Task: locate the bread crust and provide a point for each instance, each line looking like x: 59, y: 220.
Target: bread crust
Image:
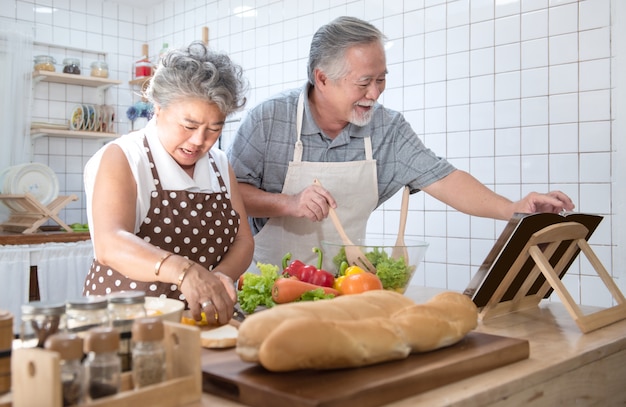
x: 355, y: 330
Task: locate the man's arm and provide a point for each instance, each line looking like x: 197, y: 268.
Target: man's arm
x: 465, y: 193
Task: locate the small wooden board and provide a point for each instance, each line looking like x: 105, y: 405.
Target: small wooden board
x: 225, y: 375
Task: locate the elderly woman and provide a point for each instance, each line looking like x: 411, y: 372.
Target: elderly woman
x: 163, y: 206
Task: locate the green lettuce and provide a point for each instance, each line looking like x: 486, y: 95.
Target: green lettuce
x: 257, y: 288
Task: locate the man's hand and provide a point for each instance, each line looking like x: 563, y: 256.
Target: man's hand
x: 554, y: 202
x: 312, y: 203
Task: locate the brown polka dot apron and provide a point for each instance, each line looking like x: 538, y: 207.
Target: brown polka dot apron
x: 198, y: 226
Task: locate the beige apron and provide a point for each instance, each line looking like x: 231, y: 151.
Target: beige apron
x: 353, y: 184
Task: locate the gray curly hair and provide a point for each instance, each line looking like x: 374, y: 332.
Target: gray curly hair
x: 198, y: 72
x: 331, y: 41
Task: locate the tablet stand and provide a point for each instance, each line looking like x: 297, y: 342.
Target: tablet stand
x: 539, y: 249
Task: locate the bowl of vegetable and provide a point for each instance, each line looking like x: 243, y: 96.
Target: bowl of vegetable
x: 395, y: 265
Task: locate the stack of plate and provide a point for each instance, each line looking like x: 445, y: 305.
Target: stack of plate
x: 37, y: 179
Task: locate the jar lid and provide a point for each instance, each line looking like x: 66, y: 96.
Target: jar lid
x: 99, y: 64
x: 93, y: 302
x: 148, y: 329
x: 44, y: 308
x: 102, y: 339
x: 71, y: 61
x: 68, y: 345
x: 45, y: 58
x: 127, y: 297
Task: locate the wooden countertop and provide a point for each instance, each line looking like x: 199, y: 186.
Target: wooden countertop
x: 10, y: 238
x: 566, y: 367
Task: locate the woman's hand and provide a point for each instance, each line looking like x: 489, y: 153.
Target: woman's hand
x: 210, y: 292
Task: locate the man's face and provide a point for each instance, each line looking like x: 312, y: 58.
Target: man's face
x: 354, y: 95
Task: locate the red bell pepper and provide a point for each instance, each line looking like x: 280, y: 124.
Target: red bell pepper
x: 308, y: 273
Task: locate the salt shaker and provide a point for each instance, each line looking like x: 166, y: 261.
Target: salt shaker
x: 69, y: 346
x: 103, y: 367
x: 148, y: 352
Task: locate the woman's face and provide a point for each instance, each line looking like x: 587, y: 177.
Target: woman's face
x: 188, y: 128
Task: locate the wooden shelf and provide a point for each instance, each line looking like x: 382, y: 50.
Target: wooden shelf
x: 42, y: 131
x: 72, y: 79
x: 140, y: 81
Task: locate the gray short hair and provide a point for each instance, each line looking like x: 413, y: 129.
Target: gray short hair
x: 197, y: 72
x: 331, y: 42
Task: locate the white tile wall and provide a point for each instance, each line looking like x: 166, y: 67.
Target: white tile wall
x: 519, y: 93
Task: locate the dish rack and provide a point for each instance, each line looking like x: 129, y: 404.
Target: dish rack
x: 27, y: 213
x: 39, y: 369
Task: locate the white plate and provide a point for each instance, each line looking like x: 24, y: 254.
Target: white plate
x: 34, y: 178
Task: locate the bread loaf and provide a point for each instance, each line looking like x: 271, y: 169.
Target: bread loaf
x: 355, y: 330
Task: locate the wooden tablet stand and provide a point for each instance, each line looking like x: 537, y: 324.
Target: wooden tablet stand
x: 27, y: 213
x: 539, y: 249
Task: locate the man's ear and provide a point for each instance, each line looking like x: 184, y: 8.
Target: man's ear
x: 320, y: 78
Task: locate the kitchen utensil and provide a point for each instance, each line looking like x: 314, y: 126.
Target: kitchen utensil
x: 400, y: 249
x: 354, y: 255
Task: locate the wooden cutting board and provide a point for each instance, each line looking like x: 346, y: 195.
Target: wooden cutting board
x: 225, y: 375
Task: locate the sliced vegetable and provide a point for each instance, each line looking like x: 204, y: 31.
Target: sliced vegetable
x: 288, y: 290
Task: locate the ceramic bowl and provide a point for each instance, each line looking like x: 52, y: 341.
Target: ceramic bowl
x: 167, y: 309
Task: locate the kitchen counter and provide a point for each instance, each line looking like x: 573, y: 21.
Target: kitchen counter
x: 10, y: 238
x: 565, y: 367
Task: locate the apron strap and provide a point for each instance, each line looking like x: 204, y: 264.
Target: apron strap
x: 297, y: 152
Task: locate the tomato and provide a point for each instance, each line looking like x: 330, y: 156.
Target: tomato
x: 358, y: 283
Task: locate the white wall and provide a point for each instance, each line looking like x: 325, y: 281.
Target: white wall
x: 525, y: 95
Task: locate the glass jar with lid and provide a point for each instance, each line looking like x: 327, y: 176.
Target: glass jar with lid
x: 148, y: 351
x: 69, y: 346
x: 84, y: 313
x: 124, y: 308
x: 41, y: 319
x: 45, y: 63
x: 102, y: 364
x: 100, y: 69
x: 71, y: 65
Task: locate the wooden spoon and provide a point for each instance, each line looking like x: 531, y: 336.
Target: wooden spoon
x: 400, y: 249
x: 354, y: 255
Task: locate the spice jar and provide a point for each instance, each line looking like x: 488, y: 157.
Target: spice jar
x: 39, y: 321
x: 103, y: 368
x: 100, y: 69
x: 124, y: 307
x: 45, y: 63
x: 148, y: 352
x: 69, y: 346
x: 71, y: 65
x: 84, y: 313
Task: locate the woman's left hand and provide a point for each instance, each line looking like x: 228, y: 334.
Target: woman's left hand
x: 210, y: 292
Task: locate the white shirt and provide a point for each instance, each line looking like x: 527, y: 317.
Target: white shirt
x: 171, y: 175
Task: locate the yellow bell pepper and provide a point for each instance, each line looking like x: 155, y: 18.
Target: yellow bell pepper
x: 354, y: 270
x: 337, y: 283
